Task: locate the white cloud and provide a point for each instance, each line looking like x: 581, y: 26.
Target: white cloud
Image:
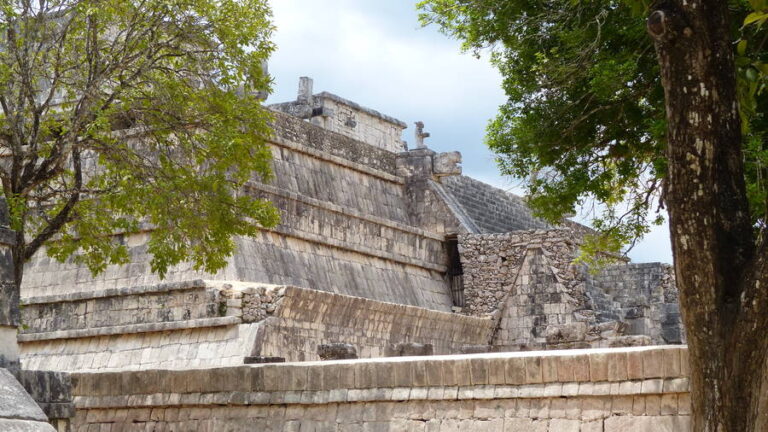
x: 359, y: 56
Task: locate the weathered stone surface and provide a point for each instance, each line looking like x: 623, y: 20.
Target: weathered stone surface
x: 345, y: 227
x: 322, y: 395
x: 407, y: 349
x: 336, y: 351
x: 52, y: 391
x: 527, y: 281
x: 447, y: 164
x: 363, y: 218
x: 9, y: 425
x: 492, y: 209
x: 15, y: 403
x: 260, y: 360
x: 475, y: 349
x: 258, y: 321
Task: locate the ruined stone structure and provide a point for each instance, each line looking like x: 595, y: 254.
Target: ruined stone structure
x: 541, y: 300
x: 382, y: 251
x: 617, y: 390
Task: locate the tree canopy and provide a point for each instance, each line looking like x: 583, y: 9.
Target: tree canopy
x: 596, y: 118
x: 127, y: 115
x: 585, y: 111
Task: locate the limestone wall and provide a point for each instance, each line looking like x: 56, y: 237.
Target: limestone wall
x: 541, y: 300
x: 492, y: 263
x: 169, y: 302
x: 345, y: 228
x: 491, y: 209
x: 305, y: 319
x: 364, y: 124
x: 614, y: 390
x: 642, y: 295
x: 225, y: 343
x: 212, y: 323
x: 333, y: 144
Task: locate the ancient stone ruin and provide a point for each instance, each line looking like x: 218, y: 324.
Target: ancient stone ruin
x: 382, y: 252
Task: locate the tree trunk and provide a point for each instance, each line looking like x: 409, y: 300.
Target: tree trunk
x: 721, y: 271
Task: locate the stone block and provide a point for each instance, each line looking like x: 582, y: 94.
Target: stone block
x: 598, y: 367
x: 684, y: 404
x: 515, y: 371
x: 336, y: 351
x: 592, y: 426
x: 593, y: 408
x: 676, y: 385
x: 409, y: 349
x: 566, y: 366
x: 365, y: 375
x: 449, y: 373
x: 635, y: 365
x: 402, y: 374
x: 525, y: 425
x: 549, y: 369
x: 647, y: 424
x: 669, y: 404
x: 653, y: 405
x: 16, y: 425
x: 16, y: 403
x: 581, y: 369
x: 496, y: 371
x: 685, y: 363
x: 272, y: 376
x: 462, y: 372
x: 652, y: 386
x: 671, y: 362
x: 419, y: 371
x: 385, y: 376
x: 479, y: 371
x: 617, y: 366
x: 563, y: 425
x: 533, y: 370
x: 622, y: 405
x: 434, y: 373
x: 653, y: 363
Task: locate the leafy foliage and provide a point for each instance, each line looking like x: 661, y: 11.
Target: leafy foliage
x: 584, y: 122
x: 126, y: 115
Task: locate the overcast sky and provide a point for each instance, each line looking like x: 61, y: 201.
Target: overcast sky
x: 375, y: 53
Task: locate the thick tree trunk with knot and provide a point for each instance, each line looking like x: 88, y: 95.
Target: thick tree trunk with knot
x: 721, y: 270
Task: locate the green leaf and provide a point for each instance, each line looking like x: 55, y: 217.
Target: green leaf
x: 171, y: 120
x: 759, y: 17
x: 758, y: 4
x: 741, y: 47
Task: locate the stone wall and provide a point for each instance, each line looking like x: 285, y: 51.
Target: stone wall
x: 614, y: 390
x: 360, y: 123
x: 643, y: 296
x: 18, y: 411
x: 168, y: 302
x: 541, y: 300
x: 345, y: 228
x: 492, y: 210
x: 492, y: 263
x: 304, y: 319
x: 214, y: 323
x: 52, y: 391
x: 332, y: 144
x: 342, y: 116
x: 180, y: 346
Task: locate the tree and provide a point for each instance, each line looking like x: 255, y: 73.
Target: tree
x: 128, y: 115
x: 631, y: 102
